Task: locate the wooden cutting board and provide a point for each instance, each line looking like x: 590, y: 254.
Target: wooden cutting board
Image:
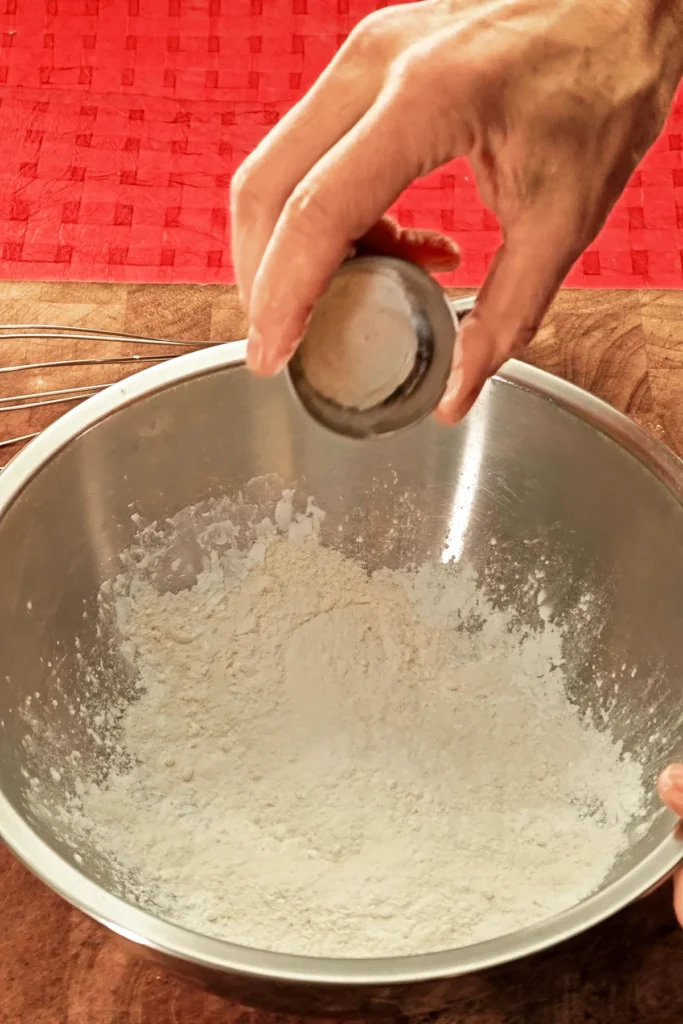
x: 57, y: 967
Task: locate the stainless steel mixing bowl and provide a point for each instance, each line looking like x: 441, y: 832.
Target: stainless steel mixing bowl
x: 546, y: 470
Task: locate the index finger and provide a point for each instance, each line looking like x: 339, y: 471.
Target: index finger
x: 345, y: 90
x: 264, y: 182
x: 347, y: 192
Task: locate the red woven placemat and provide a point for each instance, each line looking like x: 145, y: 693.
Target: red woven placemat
x: 121, y: 122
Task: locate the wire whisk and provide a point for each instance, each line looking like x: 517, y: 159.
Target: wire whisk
x: 46, y: 368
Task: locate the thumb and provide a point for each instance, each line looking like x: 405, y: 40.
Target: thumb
x: 670, y: 788
x: 523, y: 279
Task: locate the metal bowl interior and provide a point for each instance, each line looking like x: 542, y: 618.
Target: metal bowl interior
x: 543, y: 468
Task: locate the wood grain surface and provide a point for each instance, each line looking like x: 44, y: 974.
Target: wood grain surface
x: 57, y: 967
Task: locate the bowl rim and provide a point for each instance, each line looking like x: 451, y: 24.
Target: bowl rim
x: 172, y: 940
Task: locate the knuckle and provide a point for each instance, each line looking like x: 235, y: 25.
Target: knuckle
x: 245, y: 188
x: 307, y: 211
x: 371, y: 38
x: 412, y: 72
x: 428, y: 65
x: 420, y: 94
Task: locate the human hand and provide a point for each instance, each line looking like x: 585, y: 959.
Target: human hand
x: 553, y: 101
x: 670, y: 788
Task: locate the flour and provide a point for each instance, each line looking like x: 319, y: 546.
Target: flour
x: 326, y: 762
x: 361, y: 344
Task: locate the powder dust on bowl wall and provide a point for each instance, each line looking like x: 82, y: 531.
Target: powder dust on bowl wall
x: 353, y: 763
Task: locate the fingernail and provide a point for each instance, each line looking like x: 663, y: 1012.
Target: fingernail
x: 278, y: 365
x: 263, y: 358
x: 671, y: 778
x: 447, y: 408
x: 256, y: 351
x: 453, y: 387
x: 455, y: 380
x: 440, y: 263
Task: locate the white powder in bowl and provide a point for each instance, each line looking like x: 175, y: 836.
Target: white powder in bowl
x: 326, y: 762
x: 361, y: 344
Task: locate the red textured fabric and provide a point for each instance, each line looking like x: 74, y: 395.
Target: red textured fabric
x: 121, y: 122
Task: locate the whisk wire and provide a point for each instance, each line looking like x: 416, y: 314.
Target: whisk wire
x: 50, y: 332
x: 51, y: 335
